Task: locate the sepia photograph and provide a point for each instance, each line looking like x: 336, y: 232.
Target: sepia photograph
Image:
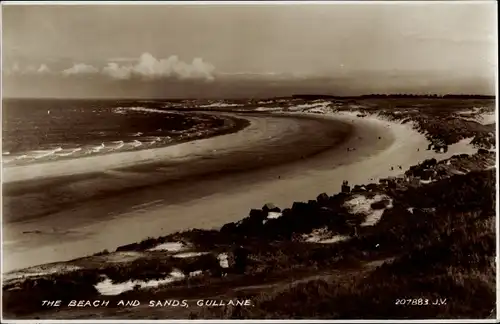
x: 225, y: 160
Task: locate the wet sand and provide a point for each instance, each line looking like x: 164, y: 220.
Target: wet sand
x: 246, y: 170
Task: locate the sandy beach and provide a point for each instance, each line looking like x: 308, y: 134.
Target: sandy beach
x: 211, y: 201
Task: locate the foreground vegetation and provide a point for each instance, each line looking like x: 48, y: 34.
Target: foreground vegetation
x: 443, y: 255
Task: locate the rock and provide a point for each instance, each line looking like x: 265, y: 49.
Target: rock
x: 429, y: 163
x: 257, y: 215
x: 322, y: 198
x: 299, y: 206
x: 228, y: 228
x: 427, y: 174
x: 312, y: 207
x: 353, y: 232
x: 380, y: 204
x: 270, y: 207
x: 392, y: 184
x: 415, y: 181
x: 358, y: 188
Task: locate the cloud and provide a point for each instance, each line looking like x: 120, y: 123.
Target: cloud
x: 117, y: 72
x: 79, y: 69
x: 16, y: 69
x: 43, y: 69
x: 148, y: 67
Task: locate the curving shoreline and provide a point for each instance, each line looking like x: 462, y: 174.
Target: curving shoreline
x: 215, y: 201
x: 108, y: 223
x: 55, y: 236
x: 271, y: 141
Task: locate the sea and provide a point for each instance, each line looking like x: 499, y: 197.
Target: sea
x: 41, y: 130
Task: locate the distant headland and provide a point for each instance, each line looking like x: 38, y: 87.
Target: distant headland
x: 389, y: 96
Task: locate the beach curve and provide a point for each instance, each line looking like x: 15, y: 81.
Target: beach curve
x: 378, y: 144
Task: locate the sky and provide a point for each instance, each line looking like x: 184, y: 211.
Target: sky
x: 226, y: 51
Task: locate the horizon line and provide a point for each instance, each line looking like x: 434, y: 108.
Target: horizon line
x: 292, y: 96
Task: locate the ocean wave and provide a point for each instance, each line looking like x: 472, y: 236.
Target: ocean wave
x: 97, y: 149
x: 74, y: 152
x: 150, y: 140
x: 39, y: 154
x: 22, y: 157
x: 31, y: 155
x: 136, y: 143
x: 69, y: 152
x: 119, y: 145
x: 120, y: 110
x: 6, y: 153
x: 9, y: 159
